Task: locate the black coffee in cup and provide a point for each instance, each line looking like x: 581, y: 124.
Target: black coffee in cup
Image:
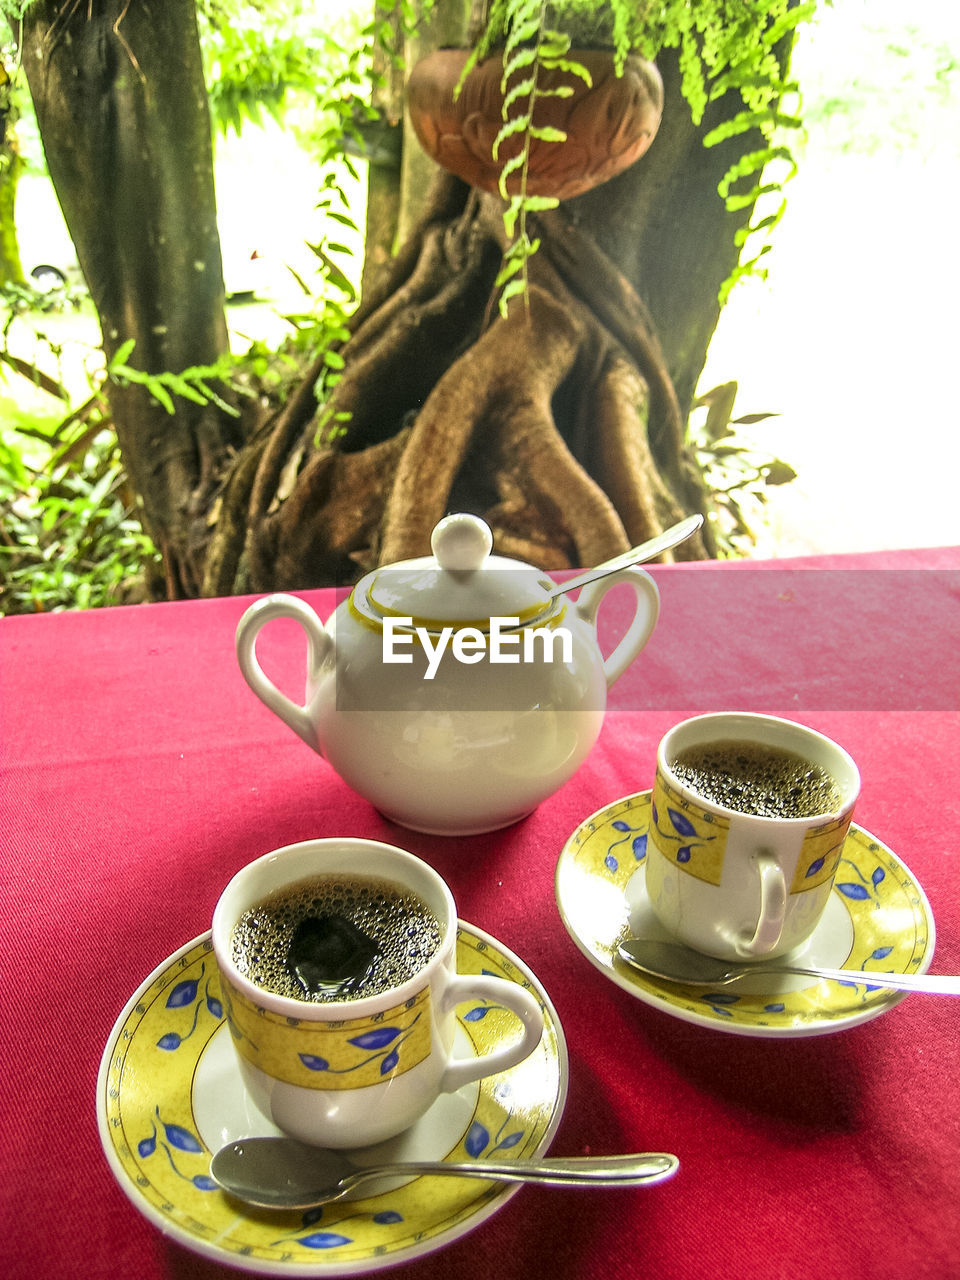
x: 335, y: 938
x: 751, y: 777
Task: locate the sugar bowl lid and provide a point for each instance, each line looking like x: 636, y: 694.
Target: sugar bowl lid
x: 461, y: 584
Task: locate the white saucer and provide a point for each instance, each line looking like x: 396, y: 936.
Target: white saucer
x: 877, y: 914
x: 169, y: 1093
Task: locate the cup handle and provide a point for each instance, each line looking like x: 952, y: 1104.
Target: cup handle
x: 499, y: 992
x: 320, y: 653
x: 773, y: 908
x: 641, y: 625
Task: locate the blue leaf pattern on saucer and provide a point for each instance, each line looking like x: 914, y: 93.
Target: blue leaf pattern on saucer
x: 864, y: 890
x: 182, y: 996
x: 477, y: 1139
x: 184, y: 993
x: 147, y: 1146
x: 335, y: 1239
x: 172, y: 1040
x: 638, y: 844
x: 480, y: 1011
x: 179, y: 1137
x: 323, y: 1240
x: 183, y: 1140
x: 510, y: 1140
x: 214, y: 1007
x: 855, y: 891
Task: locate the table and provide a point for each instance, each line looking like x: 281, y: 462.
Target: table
x: 138, y: 773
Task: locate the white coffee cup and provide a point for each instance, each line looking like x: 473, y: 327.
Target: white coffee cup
x: 737, y: 885
x: 352, y: 1072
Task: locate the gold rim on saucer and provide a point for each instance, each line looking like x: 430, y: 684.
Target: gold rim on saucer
x: 169, y: 1092
x: 877, y: 916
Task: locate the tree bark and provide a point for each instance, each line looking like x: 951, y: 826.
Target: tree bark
x: 122, y: 108
x: 665, y: 226
x: 11, y: 166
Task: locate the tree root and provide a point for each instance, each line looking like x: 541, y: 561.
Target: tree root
x: 517, y: 426
x: 557, y: 423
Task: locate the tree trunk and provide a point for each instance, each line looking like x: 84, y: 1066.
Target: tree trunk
x: 667, y: 229
x: 11, y: 166
x: 122, y: 108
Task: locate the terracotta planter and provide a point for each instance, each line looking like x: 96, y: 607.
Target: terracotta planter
x: 608, y: 125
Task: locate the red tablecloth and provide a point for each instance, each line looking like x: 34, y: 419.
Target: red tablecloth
x: 138, y: 772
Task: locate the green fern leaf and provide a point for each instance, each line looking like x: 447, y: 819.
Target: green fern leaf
x: 755, y: 162
x: 515, y: 289
x: 509, y: 166
x: 524, y: 57
x: 547, y: 133
x: 553, y: 44
x: 510, y: 267
x: 509, y: 129
x: 538, y: 204
x: 122, y: 354
x: 572, y: 68
x: 521, y: 90
x: 510, y: 214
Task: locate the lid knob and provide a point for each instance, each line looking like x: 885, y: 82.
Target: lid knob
x: 461, y: 542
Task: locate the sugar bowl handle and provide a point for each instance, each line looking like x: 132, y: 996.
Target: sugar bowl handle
x: 641, y: 626
x: 320, y: 655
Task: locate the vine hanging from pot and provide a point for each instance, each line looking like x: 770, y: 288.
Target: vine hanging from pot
x: 530, y: 49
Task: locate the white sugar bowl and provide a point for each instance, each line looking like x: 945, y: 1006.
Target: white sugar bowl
x: 458, y: 690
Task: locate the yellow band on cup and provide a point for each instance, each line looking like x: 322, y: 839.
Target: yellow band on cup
x: 695, y: 840
x: 348, y: 1054
x: 820, y: 853
x: 688, y: 836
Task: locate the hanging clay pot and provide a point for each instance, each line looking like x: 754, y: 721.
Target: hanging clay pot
x: 608, y: 125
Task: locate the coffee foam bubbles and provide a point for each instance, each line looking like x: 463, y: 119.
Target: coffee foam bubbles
x: 404, y: 929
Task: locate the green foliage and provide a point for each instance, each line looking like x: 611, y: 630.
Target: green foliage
x: 193, y: 384
x: 69, y: 533
x: 283, y: 60
x: 249, y: 75
x: 723, y: 46
x: 737, y: 475
x: 260, y: 58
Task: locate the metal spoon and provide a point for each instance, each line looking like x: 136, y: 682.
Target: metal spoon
x: 680, y: 964
x: 648, y: 550
x: 280, y: 1173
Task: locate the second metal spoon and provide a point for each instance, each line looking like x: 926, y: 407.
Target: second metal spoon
x: 279, y: 1173
x: 677, y: 963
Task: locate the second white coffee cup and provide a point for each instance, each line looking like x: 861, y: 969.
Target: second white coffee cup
x: 738, y: 885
